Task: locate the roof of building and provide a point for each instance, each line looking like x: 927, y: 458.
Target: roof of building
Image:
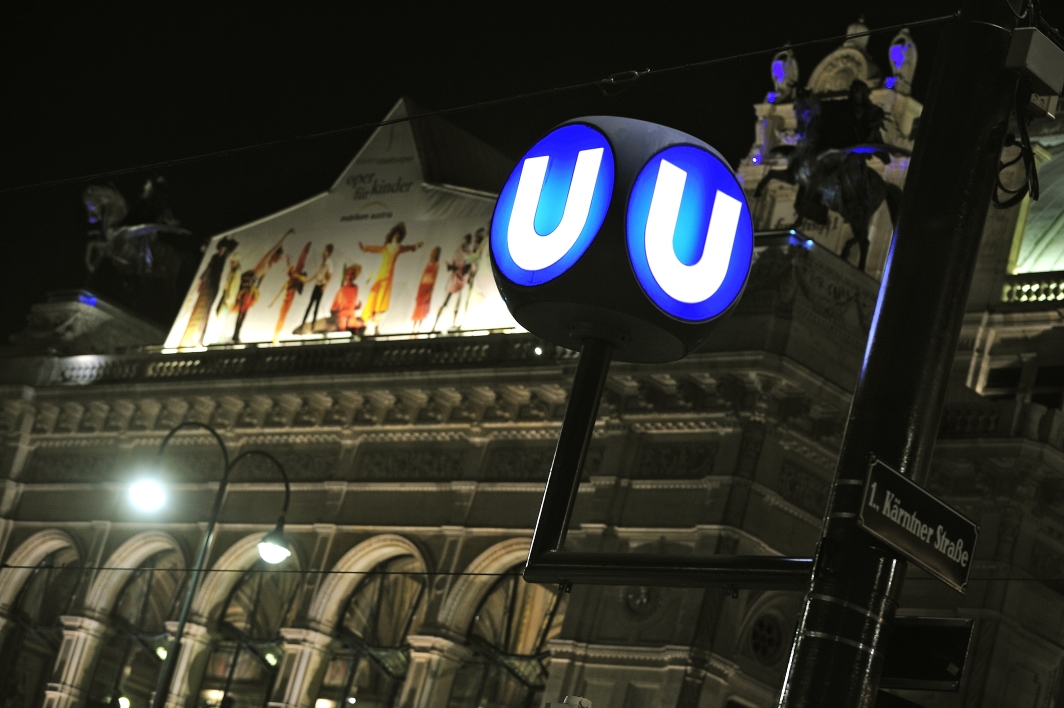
x: 448, y: 154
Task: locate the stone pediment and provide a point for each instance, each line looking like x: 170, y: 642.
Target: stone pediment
x: 838, y: 70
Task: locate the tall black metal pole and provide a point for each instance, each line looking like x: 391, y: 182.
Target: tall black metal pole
x: 841, y: 637
x: 573, y: 443
x: 166, y: 674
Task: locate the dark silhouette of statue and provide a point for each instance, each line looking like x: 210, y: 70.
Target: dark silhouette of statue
x: 829, y: 164
x: 141, y: 265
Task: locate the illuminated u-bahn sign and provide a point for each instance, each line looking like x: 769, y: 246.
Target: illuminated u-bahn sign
x: 553, y: 205
x: 623, y: 229
x: 690, y: 238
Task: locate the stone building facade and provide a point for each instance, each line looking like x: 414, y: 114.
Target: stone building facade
x: 417, y: 468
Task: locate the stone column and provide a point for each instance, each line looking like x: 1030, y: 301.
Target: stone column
x: 191, y: 663
x: 306, y: 654
x: 82, y: 639
x: 434, y: 661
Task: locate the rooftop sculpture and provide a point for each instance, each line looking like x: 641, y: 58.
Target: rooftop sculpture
x: 841, y: 143
x: 138, y: 263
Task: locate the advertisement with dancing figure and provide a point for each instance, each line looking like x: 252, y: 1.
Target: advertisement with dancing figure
x: 383, y: 252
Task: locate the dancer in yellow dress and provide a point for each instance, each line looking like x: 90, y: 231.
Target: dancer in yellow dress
x: 380, y: 293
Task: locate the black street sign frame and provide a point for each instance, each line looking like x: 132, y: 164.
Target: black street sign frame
x: 927, y: 653
x: 915, y: 523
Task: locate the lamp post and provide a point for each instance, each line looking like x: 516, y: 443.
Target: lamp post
x: 273, y: 547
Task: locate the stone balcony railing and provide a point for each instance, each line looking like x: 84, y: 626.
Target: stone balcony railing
x: 802, y: 303
x: 154, y: 365
x: 982, y: 418
x: 1033, y: 288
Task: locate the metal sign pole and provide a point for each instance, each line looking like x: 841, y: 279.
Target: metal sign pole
x: 846, y: 620
x: 549, y: 563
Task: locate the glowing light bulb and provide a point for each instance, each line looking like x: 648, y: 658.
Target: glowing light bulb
x: 272, y: 553
x: 271, y: 659
x: 539, y: 351
x: 161, y: 653
x: 147, y: 495
x: 123, y: 702
x: 273, y: 548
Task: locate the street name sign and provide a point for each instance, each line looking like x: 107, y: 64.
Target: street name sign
x: 918, y: 525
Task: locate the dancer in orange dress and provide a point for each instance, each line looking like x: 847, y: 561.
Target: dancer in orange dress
x: 250, y: 280
x: 346, y: 302
x: 380, y: 293
x: 296, y: 278
x: 425, y: 288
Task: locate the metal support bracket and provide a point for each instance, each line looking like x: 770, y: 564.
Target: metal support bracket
x: 548, y: 563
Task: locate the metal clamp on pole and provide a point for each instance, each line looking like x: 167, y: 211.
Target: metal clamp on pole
x: 548, y: 563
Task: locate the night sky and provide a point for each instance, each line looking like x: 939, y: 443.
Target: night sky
x: 88, y: 90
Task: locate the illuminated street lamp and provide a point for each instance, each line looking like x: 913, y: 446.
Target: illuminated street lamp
x: 273, y: 548
x: 149, y: 495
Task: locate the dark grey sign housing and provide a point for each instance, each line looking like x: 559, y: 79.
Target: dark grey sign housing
x: 926, y: 654
x: 917, y: 524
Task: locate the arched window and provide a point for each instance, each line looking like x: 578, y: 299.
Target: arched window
x: 384, y: 608
x: 35, y: 632
x: 508, y: 634
x: 243, y: 665
x: 130, y: 661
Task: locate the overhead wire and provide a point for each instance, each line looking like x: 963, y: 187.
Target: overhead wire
x: 613, y: 81
x: 434, y: 573
x: 253, y: 569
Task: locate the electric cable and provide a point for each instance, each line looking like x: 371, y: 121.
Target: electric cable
x: 1030, y: 183
x: 1031, y: 16
x: 252, y: 569
x: 440, y: 573
x: 608, y: 86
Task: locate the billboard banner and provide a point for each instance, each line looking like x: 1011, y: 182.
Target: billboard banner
x: 381, y: 253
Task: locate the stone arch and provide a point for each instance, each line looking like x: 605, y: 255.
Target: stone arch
x: 223, y: 577
x: 345, y: 576
x: 126, y: 559
x: 465, y: 595
x: 25, y: 558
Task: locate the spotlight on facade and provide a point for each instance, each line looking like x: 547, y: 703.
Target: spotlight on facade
x: 147, y: 495
x: 273, y: 548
